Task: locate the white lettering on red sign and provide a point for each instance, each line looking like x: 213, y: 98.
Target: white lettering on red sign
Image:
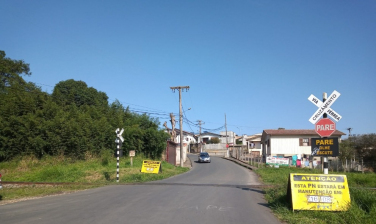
x: 325, y: 127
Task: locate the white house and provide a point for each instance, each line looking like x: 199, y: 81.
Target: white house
x: 230, y: 138
x: 286, y: 143
x: 188, y: 137
x: 207, y: 136
x: 254, y: 144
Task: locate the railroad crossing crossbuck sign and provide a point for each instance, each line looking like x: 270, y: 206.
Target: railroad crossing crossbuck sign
x: 324, y: 107
x: 118, y: 135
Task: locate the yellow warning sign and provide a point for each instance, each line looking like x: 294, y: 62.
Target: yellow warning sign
x: 324, y: 192
x: 149, y: 166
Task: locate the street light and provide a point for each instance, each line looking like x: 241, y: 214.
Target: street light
x: 239, y: 130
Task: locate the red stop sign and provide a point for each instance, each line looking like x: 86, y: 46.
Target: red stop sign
x: 325, y: 127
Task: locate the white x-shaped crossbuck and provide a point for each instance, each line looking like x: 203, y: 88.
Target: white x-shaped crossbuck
x: 324, y: 107
x: 119, y: 133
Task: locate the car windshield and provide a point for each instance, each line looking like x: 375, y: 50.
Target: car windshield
x: 204, y: 154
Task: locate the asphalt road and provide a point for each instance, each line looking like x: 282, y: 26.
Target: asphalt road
x: 217, y: 192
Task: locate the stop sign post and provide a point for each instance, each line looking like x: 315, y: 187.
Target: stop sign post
x: 325, y: 127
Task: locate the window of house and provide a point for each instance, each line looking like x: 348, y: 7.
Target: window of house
x: 304, y: 142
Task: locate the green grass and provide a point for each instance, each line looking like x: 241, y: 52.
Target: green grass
x: 92, y: 172
x: 363, y: 200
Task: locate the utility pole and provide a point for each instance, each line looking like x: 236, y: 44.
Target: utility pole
x: 180, y: 121
x: 227, y: 146
x: 349, y: 129
x: 199, y: 123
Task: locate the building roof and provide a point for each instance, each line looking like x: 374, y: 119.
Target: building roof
x: 177, y: 131
x: 297, y: 132
x: 255, y: 137
x: 209, y: 133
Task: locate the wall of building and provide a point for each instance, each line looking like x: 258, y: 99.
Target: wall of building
x: 289, y: 145
x: 230, y: 137
x: 284, y: 145
x: 257, y: 148
x: 186, y: 139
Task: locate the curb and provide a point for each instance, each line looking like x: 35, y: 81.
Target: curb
x: 246, y: 165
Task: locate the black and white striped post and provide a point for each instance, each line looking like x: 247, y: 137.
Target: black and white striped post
x: 325, y: 115
x: 118, y: 139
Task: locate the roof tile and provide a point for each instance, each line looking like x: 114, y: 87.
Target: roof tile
x: 297, y: 132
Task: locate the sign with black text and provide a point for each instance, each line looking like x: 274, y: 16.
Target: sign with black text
x: 322, y: 192
x: 324, y: 147
x: 149, y: 166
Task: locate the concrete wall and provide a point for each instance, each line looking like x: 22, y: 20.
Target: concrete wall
x: 214, y: 147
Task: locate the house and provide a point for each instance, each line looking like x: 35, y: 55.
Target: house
x: 207, y: 136
x: 229, y: 139
x: 285, y: 143
x: 188, y: 137
x: 254, y: 145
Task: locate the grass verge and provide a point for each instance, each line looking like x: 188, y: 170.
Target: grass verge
x: 93, y: 172
x: 363, y: 200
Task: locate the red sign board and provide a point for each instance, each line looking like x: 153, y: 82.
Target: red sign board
x: 325, y: 127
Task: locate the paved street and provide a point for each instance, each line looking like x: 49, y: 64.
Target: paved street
x: 215, y: 192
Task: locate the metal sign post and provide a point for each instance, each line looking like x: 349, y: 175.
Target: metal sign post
x: 118, y: 140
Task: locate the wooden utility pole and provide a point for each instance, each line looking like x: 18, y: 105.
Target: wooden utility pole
x: 228, y: 154
x: 180, y: 121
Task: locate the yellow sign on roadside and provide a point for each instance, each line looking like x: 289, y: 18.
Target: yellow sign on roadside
x: 149, y: 166
x: 324, y: 192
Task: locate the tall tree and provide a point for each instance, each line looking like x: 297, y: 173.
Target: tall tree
x: 11, y: 70
x: 77, y: 92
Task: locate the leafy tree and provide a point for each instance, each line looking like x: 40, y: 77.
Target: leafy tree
x: 73, y: 121
x: 10, y: 71
x: 77, y: 92
x: 365, y: 146
x: 346, y: 150
x: 214, y: 140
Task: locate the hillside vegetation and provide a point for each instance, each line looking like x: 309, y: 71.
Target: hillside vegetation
x: 73, y: 121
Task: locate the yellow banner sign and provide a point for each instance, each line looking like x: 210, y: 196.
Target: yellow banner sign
x: 323, y: 192
x: 149, y: 166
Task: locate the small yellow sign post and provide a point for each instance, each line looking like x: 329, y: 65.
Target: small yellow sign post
x: 149, y: 166
x: 322, y: 192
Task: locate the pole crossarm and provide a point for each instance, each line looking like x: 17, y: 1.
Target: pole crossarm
x: 179, y: 87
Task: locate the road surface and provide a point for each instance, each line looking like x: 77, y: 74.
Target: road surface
x: 216, y: 192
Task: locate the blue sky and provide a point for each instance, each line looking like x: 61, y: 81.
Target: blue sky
x: 255, y: 61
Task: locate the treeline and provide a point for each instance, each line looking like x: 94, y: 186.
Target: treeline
x: 359, y: 147
x: 72, y: 121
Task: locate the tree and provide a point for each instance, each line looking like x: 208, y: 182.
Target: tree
x: 215, y: 140
x: 76, y: 120
x: 11, y: 71
x: 346, y: 150
x: 365, y: 146
x: 77, y: 92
